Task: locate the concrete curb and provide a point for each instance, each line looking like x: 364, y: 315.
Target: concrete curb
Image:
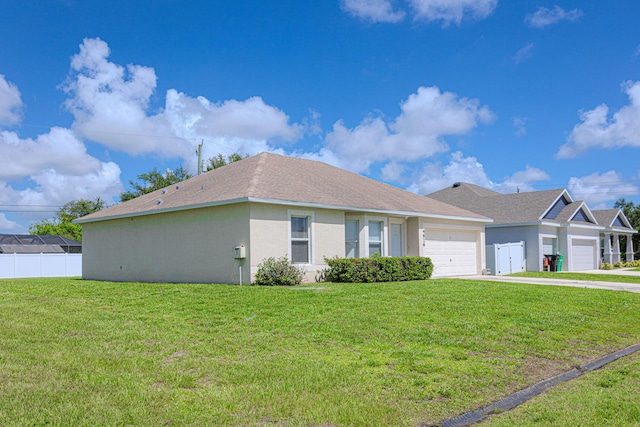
x: 522, y: 396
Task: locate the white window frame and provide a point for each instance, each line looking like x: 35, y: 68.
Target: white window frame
x: 358, y: 239
x: 311, y: 233
x: 385, y: 232
x: 403, y: 230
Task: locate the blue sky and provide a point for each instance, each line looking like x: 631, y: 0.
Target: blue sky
x: 518, y: 95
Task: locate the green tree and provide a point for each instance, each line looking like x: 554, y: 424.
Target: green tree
x: 154, y: 180
x: 62, y: 225
x: 218, y: 161
x: 632, y: 212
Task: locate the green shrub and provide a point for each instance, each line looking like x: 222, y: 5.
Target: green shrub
x: 278, y: 272
x: 618, y: 264
x: 607, y: 266
x: 377, y: 269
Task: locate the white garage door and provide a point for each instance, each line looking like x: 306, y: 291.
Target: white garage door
x: 583, y: 255
x: 453, y: 252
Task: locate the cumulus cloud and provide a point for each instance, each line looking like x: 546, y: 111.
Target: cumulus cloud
x: 446, y: 11
x: 57, y: 169
x: 10, y: 103
x: 599, y: 189
x: 110, y: 104
x: 452, y: 11
x: 544, y: 17
x: 434, y: 176
x: 372, y: 10
x: 418, y: 132
x: 598, y: 131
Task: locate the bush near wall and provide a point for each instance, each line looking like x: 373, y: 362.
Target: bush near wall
x: 278, y: 272
x: 378, y: 269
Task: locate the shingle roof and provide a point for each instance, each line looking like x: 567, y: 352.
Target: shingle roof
x: 514, y: 208
x: 606, y: 217
x: 270, y: 177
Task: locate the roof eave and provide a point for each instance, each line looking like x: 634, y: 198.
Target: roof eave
x: 286, y: 203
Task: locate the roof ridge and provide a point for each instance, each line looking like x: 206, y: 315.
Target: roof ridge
x: 257, y: 174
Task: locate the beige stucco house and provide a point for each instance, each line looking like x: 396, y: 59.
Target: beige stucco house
x: 219, y: 226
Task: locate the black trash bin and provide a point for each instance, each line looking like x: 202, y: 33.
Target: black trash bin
x: 553, y: 262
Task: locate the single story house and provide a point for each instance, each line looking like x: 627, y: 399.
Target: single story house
x: 37, y: 244
x: 219, y: 226
x: 548, y: 222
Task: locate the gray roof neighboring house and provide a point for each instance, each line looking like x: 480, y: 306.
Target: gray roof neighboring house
x: 517, y: 208
x: 613, y: 220
x: 513, y: 208
x: 276, y: 179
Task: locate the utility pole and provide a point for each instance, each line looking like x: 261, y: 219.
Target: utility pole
x: 199, y: 152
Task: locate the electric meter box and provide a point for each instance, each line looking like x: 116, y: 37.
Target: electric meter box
x: 239, y: 252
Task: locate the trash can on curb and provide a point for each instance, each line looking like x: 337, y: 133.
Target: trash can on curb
x: 553, y: 262
x: 560, y: 258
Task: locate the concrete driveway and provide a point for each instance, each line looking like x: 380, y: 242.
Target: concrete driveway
x: 615, y: 286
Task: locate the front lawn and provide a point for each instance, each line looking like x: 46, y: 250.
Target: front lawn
x: 605, y: 277
x: 76, y: 352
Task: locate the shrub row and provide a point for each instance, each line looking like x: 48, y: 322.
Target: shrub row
x: 377, y: 269
x: 621, y: 264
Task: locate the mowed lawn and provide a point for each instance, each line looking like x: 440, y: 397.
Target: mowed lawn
x: 76, y: 352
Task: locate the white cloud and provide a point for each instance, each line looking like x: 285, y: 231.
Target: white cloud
x: 372, y: 10
x: 9, y: 226
x: 446, y: 11
x: 110, y: 105
x: 523, y: 53
x: 544, y: 17
x: 433, y: 176
x: 520, y: 125
x: 598, y: 131
x: 452, y: 11
x: 598, y: 189
x: 426, y: 117
x: 10, y: 103
x: 637, y: 51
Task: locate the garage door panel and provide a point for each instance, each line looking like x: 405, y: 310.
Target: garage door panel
x: 453, y: 252
x: 583, y: 255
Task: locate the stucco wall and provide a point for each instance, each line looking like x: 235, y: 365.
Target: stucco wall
x: 270, y: 235
x: 186, y: 246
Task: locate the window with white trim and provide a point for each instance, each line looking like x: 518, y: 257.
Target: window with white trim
x: 376, y: 228
x: 397, y: 240
x: 300, y: 239
x: 351, y: 232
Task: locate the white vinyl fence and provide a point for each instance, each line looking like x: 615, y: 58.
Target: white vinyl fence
x: 40, y: 265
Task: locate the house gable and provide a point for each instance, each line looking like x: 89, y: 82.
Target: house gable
x: 581, y: 216
x: 557, y: 208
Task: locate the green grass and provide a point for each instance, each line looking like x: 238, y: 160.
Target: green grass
x: 608, y: 397
x: 76, y: 352
x: 581, y: 276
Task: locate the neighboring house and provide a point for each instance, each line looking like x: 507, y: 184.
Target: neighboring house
x: 616, y: 224
x: 219, y: 226
x: 549, y: 222
x: 37, y: 244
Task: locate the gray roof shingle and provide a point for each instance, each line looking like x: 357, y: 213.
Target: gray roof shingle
x: 274, y: 178
x: 514, y: 208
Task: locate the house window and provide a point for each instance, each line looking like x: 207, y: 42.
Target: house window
x: 375, y: 237
x: 300, y: 239
x: 397, y: 244
x: 351, y: 231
